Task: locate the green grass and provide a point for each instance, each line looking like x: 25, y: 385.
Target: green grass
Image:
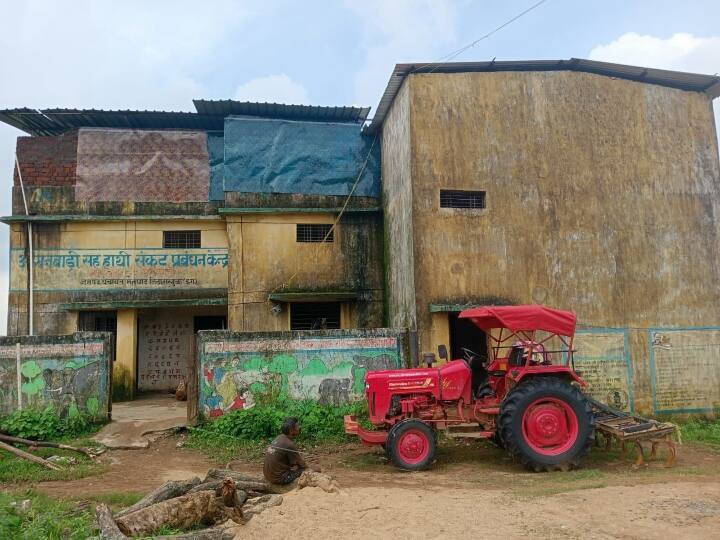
x: 701, y: 430
x: 58, y: 519
x: 47, y: 519
x: 115, y: 500
x: 14, y: 470
x: 223, y: 448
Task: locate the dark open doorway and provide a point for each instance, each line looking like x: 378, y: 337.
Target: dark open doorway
x: 464, y: 334
x: 209, y: 322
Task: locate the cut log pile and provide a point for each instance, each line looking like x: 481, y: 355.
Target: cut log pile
x: 223, y: 495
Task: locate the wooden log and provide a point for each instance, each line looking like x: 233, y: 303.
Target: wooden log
x: 167, y: 491
x: 108, y: 528
x: 29, y: 457
x: 46, y: 444
x: 242, y: 481
x: 184, y: 512
x: 242, y: 495
x: 213, y: 533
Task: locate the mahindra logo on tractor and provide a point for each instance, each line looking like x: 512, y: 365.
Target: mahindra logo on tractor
x: 413, y: 384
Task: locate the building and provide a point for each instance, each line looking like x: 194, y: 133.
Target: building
x: 135, y: 232
x: 582, y: 185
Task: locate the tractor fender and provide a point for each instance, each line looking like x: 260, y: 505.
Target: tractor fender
x: 561, y: 372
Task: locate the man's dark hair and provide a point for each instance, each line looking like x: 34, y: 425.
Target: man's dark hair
x: 289, y: 423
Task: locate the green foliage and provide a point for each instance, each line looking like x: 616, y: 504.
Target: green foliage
x: 701, y: 430
x: 47, y: 519
x: 262, y: 422
x: 45, y: 424
x: 15, y: 470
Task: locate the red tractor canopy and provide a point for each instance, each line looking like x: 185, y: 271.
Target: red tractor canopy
x: 523, y: 319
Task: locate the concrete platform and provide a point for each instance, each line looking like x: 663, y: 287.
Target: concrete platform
x: 130, y: 419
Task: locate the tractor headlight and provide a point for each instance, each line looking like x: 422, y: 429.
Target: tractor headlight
x: 367, y: 386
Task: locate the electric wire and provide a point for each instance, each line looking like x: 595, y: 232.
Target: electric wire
x: 457, y: 52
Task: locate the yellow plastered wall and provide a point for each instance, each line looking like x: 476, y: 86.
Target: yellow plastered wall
x: 265, y: 257
x: 613, y: 230
x: 439, y: 332
x: 138, y: 234
x: 124, y: 369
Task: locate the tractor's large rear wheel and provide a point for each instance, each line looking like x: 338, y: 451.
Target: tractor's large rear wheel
x: 546, y: 424
x: 411, y: 445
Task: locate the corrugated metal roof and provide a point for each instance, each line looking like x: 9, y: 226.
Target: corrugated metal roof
x: 56, y: 121
x: 313, y: 113
x: 210, y: 116
x: 709, y: 84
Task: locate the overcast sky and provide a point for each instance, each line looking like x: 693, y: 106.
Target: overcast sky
x: 164, y: 53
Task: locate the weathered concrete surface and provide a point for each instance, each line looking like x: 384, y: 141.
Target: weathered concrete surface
x: 603, y: 197
x: 69, y: 373
x: 398, y: 213
x: 239, y: 369
x: 265, y: 258
x: 148, y: 412
x: 54, y: 287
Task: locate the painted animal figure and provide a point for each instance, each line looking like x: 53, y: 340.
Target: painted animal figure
x: 334, y: 391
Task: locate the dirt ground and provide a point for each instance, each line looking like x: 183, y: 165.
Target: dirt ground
x: 473, y: 490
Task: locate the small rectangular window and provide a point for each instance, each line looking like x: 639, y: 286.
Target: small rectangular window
x: 455, y: 198
x: 98, y: 321
x: 315, y: 232
x: 314, y: 315
x: 181, y: 239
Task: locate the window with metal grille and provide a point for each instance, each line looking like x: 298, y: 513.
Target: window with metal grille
x: 314, y: 315
x: 455, y: 198
x: 98, y: 321
x: 181, y: 239
x: 315, y: 232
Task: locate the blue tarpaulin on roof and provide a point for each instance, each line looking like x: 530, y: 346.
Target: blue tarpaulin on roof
x: 215, y: 153
x: 280, y: 156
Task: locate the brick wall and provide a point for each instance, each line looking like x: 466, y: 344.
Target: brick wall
x: 47, y: 161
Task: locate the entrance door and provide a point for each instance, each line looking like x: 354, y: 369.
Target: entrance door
x: 165, y: 340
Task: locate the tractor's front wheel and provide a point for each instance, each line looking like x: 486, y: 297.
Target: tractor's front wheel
x: 546, y: 424
x: 411, y: 445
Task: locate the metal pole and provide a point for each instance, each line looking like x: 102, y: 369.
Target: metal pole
x: 18, y: 375
x: 31, y: 258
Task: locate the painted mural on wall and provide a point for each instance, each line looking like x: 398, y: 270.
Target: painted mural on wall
x: 685, y: 369
x: 603, y: 359
x: 102, y: 269
x: 70, y: 377
x: 235, y: 374
x: 164, y: 347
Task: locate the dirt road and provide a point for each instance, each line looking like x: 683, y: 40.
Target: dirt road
x: 473, y: 491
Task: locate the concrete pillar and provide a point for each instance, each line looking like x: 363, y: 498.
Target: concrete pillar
x: 125, y: 368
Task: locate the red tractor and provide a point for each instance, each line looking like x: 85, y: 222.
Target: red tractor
x: 525, y: 396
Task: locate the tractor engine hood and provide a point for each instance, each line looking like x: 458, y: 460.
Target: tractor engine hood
x: 400, y: 380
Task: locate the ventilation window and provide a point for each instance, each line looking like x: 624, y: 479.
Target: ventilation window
x: 98, y: 321
x: 315, y: 232
x: 314, y: 315
x: 181, y: 239
x: 453, y: 198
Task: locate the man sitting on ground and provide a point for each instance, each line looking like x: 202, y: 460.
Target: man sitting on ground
x: 283, y: 462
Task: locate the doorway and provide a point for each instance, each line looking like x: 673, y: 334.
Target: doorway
x: 464, y: 334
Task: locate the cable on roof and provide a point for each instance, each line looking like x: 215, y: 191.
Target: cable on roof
x: 461, y: 50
